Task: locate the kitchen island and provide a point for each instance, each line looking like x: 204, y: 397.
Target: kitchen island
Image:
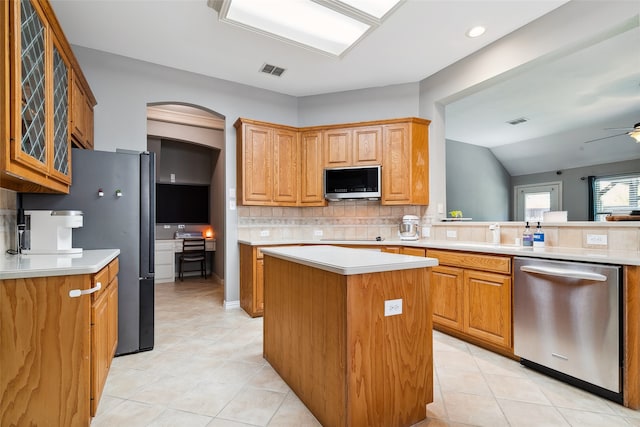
x: 350, y: 331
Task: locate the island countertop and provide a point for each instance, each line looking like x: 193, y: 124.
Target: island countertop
x: 348, y: 261
x: 24, y: 266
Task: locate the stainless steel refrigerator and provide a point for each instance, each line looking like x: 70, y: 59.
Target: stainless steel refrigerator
x: 112, y: 221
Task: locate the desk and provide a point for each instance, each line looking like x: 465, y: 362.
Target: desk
x: 165, y: 258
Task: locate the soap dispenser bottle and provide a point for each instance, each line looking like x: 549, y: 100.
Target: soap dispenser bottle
x: 527, y: 236
x: 538, y: 237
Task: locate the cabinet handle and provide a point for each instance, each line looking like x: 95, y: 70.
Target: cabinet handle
x: 75, y: 293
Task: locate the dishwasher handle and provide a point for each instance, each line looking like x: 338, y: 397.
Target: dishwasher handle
x: 564, y: 272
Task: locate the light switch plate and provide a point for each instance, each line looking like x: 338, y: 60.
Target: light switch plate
x: 317, y: 233
x: 392, y: 307
x: 264, y: 233
x: 452, y: 234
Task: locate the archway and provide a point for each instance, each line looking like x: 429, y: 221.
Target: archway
x: 190, y: 137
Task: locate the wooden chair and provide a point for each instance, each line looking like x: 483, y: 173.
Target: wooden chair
x: 193, y: 250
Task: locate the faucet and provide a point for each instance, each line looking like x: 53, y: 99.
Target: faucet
x: 495, y: 231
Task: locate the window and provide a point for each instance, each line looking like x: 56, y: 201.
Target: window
x: 531, y: 201
x: 611, y: 195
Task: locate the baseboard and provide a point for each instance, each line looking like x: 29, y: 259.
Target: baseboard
x: 228, y: 305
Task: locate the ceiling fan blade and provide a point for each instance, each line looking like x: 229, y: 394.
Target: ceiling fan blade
x: 605, y: 137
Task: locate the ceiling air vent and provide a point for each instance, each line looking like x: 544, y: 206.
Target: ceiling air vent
x: 272, y: 69
x: 518, y: 121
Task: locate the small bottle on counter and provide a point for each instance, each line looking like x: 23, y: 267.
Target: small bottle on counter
x: 538, y: 237
x: 527, y: 236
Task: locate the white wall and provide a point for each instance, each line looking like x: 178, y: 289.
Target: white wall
x: 124, y: 87
x: 378, y: 103
x: 553, y: 34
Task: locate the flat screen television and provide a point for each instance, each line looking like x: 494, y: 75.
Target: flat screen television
x: 182, y: 204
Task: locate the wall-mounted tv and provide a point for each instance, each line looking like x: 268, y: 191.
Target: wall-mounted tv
x: 182, y: 204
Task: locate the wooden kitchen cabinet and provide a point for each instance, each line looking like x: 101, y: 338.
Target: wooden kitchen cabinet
x: 471, y: 296
x: 82, y: 103
x: 56, y: 347
x: 45, y: 347
x: 405, y: 163
x: 267, y: 156
x: 311, y: 170
x: 283, y: 166
x: 104, y: 329
x: 251, y: 280
x: 359, y: 146
x: 36, y: 66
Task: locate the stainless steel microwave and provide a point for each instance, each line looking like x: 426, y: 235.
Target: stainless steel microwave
x: 357, y: 182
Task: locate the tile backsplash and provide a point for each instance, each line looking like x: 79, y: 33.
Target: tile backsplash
x: 8, y: 218
x: 350, y: 220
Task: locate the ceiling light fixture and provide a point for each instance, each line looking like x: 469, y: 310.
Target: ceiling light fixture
x: 476, y: 31
x: 635, y: 133
x: 328, y: 26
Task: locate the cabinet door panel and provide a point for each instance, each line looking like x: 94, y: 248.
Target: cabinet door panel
x: 337, y: 148
x: 100, y: 347
x: 396, y: 171
x: 259, y: 295
x: 257, y: 171
x: 367, y: 145
x: 488, y: 307
x: 447, y: 296
x: 45, y: 347
x: 285, y: 165
x: 60, y: 166
x: 311, y: 190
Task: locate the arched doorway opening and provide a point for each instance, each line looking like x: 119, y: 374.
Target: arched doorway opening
x: 189, y: 143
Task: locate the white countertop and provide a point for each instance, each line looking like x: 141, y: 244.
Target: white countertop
x: 550, y: 252
x: 347, y: 261
x: 23, y: 266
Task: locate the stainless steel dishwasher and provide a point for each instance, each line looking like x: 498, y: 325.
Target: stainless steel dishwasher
x: 567, y: 322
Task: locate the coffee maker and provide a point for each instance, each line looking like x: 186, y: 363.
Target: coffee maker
x: 49, y: 232
x: 408, y: 229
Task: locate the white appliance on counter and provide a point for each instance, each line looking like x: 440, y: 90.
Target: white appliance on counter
x: 408, y: 228
x: 49, y: 231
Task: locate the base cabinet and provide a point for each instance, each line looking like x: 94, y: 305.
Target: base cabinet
x: 104, y: 329
x: 471, y: 296
x: 55, y: 347
x: 252, y: 280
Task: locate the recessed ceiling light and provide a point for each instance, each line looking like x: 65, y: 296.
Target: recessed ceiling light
x: 476, y: 31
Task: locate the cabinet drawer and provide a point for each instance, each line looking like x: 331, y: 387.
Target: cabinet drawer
x: 481, y: 262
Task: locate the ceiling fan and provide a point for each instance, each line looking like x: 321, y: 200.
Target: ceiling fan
x: 633, y: 132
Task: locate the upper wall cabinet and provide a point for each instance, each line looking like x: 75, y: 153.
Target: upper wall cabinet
x: 37, y: 66
x: 273, y: 162
x: 357, y: 146
x: 267, y: 170
x: 405, y: 163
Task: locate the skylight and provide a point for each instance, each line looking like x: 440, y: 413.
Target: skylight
x: 330, y: 26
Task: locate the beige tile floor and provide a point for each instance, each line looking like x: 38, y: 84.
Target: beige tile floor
x: 207, y: 370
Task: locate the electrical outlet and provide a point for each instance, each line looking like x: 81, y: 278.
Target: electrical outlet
x: 452, y: 234
x: 167, y: 226
x: 596, y: 239
x: 180, y: 226
x: 392, y: 307
x: 426, y: 232
x: 264, y: 233
x: 172, y: 177
x: 317, y: 233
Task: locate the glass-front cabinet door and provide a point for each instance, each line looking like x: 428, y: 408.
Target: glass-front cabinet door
x: 40, y: 140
